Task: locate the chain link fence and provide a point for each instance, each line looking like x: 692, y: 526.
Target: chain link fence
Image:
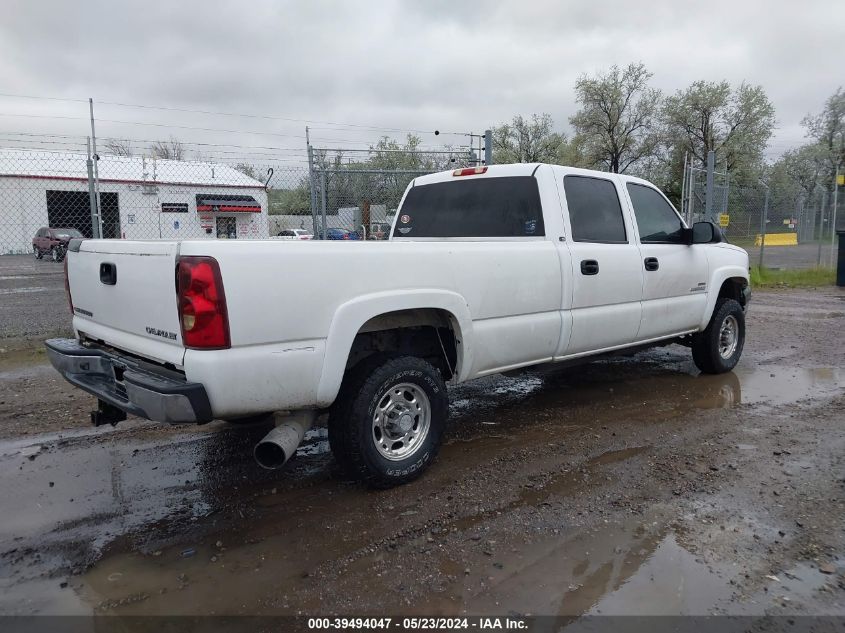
x: 796, y: 224
x: 47, y: 196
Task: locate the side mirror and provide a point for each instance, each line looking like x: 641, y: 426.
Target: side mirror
x: 703, y: 233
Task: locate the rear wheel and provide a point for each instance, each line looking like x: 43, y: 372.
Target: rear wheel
x: 38, y: 254
x: 387, y: 423
x: 56, y: 254
x: 717, y: 349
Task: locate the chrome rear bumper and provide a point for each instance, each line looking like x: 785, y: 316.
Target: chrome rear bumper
x: 131, y: 385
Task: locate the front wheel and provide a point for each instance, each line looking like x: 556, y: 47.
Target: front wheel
x: 387, y: 423
x: 56, y: 254
x: 37, y: 252
x: 717, y: 349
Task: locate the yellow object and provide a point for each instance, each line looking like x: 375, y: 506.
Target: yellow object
x: 724, y: 220
x: 778, y: 239
x: 841, y: 179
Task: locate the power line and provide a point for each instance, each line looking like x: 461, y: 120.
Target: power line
x: 138, y: 140
x: 269, y: 117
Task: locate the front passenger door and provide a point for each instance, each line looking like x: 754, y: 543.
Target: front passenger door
x: 675, y: 273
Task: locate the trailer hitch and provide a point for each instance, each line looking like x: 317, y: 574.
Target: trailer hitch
x: 107, y: 413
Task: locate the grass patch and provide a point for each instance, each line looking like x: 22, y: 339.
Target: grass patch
x: 798, y: 278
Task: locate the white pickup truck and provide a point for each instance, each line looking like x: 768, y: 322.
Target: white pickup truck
x: 487, y: 270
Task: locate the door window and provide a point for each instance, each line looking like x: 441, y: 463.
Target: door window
x: 656, y: 219
x: 227, y: 228
x: 594, y: 210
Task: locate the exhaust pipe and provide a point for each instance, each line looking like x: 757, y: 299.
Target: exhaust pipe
x: 279, y: 445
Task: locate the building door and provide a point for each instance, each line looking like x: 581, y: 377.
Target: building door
x: 72, y: 210
x: 110, y: 212
x: 227, y: 228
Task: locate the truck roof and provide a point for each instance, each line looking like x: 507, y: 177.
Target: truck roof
x: 520, y: 169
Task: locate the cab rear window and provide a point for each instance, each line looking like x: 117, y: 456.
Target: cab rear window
x: 480, y: 207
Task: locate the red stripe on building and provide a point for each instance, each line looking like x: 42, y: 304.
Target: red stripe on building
x: 226, y: 208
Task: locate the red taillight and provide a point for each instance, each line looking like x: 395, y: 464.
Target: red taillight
x: 202, y: 303
x: 469, y: 171
x: 67, y: 287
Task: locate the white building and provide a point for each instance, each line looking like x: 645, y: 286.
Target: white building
x: 140, y: 198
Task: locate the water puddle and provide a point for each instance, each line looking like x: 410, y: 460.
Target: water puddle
x: 634, y: 567
x: 638, y: 391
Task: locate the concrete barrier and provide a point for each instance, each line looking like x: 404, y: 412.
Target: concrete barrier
x: 778, y: 239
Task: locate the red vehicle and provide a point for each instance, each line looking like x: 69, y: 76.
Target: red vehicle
x: 52, y: 242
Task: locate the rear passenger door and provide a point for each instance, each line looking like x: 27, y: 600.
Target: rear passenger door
x: 675, y: 274
x: 606, y: 269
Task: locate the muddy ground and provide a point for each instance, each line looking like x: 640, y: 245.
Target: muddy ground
x: 630, y: 486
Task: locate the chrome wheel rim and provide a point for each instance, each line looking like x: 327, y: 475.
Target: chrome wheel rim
x: 728, y: 336
x: 55, y: 255
x: 401, y: 421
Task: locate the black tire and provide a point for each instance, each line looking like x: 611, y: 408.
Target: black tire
x: 37, y: 252
x: 712, y: 354
x: 56, y: 254
x: 352, y: 434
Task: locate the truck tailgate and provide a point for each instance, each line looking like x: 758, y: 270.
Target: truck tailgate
x: 124, y: 294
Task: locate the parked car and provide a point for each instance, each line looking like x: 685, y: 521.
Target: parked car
x: 52, y: 242
x: 488, y: 269
x: 339, y: 234
x: 294, y: 234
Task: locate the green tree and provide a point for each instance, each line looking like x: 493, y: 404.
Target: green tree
x: 529, y: 141
x: 294, y: 201
x: 616, y: 126
x: 735, y: 123
x: 804, y: 166
x: 828, y: 130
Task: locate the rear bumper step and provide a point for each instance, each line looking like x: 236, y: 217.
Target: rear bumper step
x: 128, y: 384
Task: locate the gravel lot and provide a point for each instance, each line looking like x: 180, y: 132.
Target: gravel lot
x: 632, y: 486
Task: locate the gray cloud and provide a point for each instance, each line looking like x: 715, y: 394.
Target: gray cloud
x: 409, y: 65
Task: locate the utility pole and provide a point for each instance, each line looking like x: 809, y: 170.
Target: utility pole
x: 311, y: 182
x: 683, y: 192
x: 488, y: 147
x: 92, y: 193
x: 708, y: 194
x: 821, y: 227
x: 97, y: 226
x: 763, y: 220
x: 833, y: 225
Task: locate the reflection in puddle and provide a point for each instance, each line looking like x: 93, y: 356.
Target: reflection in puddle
x: 635, y: 568
x: 669, y: 582
x: 645, y: 388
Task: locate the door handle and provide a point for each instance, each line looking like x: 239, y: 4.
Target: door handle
x: 651, y: 263
x: 589, y: 267
x: 108, y: 273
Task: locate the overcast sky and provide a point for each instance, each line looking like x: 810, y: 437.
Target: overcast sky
x: 453, y: 66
